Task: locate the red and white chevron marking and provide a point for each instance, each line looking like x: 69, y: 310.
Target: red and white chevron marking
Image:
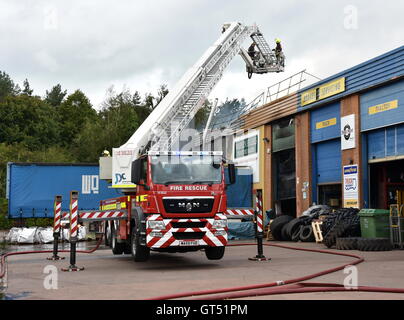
x: 239, y: 212
x: 73, y: 218
x: 65, y: 215
x: 56, y: 222
x: 99, y: 215
x: 259, y: 214
x: 168, y: 240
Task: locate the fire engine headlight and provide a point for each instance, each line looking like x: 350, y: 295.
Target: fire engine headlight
x: 217, y: 224
x: 156, y: 225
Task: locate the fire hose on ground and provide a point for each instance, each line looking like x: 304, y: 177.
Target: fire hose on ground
x: 295, y: 285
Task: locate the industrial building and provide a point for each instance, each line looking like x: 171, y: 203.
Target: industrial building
x: 338, y: 142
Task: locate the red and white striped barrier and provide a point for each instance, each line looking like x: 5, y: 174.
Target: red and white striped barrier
x: 57, y: 210
x: 102, y: 215
x: 259, y: 213
x: 240, y: 212
x: 74, y: 216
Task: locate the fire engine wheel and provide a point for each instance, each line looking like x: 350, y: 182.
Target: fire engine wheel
x: 117, y: 248
x: 107, y: 235
x: 214, y: 253
x: 139, y: 253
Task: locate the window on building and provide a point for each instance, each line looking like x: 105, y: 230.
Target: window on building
x: 246, y: 147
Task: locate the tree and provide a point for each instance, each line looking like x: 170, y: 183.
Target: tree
x: 7, y: 86
x: 162, y: 92
x: 27, y: 89
x: 28, y: 120
x: 55, y: 96
x: 73, y: 113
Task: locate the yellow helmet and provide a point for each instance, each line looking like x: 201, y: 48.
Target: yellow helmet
x: 277, y: 40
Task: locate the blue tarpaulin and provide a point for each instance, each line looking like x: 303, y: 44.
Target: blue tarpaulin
x: 32, y: 187
x: 239, y: 194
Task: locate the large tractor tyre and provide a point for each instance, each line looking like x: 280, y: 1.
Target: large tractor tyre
x: 215, y: 253
x: 307, y: 234
x: 337, y: 231
x: 296, y: 234
x: 293, y: 225
x: 374, y: 244
x: 350, y: 243
x: 139, y: 253
x: 284, y: 233
x: 107, y: 234
x: 277, y: 225
x: 117, y: 247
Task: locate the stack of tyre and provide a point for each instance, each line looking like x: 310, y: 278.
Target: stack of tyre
x: 342, y: 230
x: 287, y: 228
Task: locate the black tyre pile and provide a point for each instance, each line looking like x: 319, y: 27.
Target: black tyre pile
x: 342, y: 230
x: 287, y: 228
x: 342, y: 223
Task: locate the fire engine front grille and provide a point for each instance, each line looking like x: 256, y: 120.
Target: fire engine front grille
x: 190, y: 224
x: 184, y: 205
x: 188, y: 235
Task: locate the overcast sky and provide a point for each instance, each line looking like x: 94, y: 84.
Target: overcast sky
x: 92, y: 45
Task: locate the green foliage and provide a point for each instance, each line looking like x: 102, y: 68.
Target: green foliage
x: 7, y: 86
x: 27, y: 88
x: 55, y: 96
x: 73, y: 113
x: 61, y: 128
x: 5, y: 223
x: 28, y: 120
x: 38, y: 222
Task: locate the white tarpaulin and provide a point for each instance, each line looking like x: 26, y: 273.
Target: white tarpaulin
x: 39, y: 235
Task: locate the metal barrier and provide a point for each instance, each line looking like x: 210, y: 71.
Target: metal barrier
x: 56, y: 227
x: 259, y: 229
x: 76, y: 217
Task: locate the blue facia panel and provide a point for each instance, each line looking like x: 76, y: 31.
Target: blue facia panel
x: 325, y: 123
x: 33, y: 187
x: 239, y: 194
x: 383, y: 106
x: 328, y: 161
x: 385, y: 142
x: 384, y: 68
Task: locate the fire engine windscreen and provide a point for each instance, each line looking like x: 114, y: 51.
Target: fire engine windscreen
x: 186, y: 169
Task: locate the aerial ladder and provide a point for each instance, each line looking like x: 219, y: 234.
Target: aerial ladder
x: 162, y: 129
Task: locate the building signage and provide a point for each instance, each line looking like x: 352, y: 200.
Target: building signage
x: 326, y: 123
x: 324, y: 91
x: 351, y: 186
x: 383, y: 107
x: 348, y: 132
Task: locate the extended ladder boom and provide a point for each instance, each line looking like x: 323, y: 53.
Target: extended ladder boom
x: 173, y: 114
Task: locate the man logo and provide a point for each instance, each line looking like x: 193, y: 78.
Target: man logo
x: 188, y: 207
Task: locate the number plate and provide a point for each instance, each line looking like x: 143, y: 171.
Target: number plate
x: 187, y: 243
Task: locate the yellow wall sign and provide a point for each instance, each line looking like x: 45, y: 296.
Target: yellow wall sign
x: 326, y: 123
x: 308, y: 97
x: 384, y: 107
x: 324, y: 91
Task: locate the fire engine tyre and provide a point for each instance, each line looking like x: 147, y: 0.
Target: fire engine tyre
x: 277, y: 224
x: 215, y: 253
x: 307, y: 234
x: 374, y: 244
x: 117, y: 248
x: 139, y: 253
x: 107, y: 234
